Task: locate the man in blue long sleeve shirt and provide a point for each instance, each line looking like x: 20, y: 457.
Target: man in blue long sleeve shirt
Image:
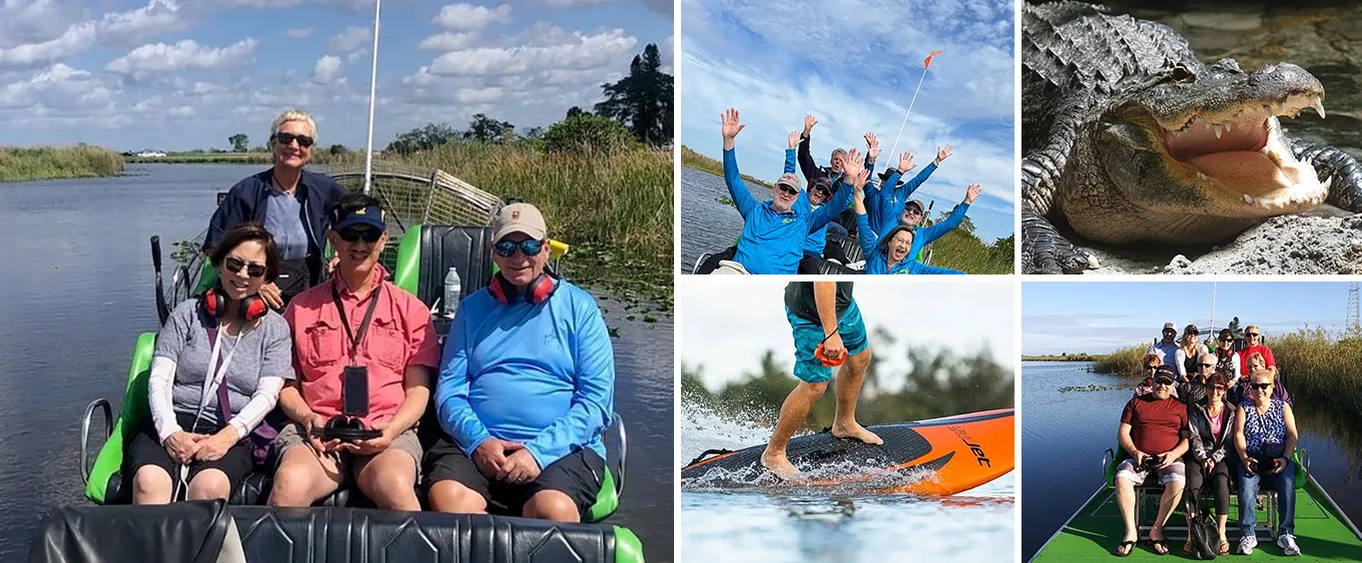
x: 526, y: 388
x: 773, y: 231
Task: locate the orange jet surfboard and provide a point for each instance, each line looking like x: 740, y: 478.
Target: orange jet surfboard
x: 954, y: 454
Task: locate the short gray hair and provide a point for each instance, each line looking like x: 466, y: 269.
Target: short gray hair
x: 293, y: 114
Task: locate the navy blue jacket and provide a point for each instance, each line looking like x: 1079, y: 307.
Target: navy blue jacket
x: 246, y: 202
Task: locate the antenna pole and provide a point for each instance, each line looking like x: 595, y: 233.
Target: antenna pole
x: 373, y: 90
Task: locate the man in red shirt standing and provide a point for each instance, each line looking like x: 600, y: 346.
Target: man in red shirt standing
x: 359, y: 326
x: 1253, y: 337
x: 1153, y: 425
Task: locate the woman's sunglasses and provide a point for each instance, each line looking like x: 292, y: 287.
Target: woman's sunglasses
x: 234, y: 265
x: 1151, y: 366
x: 1219, y: 388
x: 1261, y: 386
x: 354, y: 235
x: 288, y: 138
x: 528, y: 247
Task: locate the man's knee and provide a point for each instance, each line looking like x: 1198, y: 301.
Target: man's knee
x: 388, y: 477
x: 860, y: 360
x: 552, y: 505
x: 296, y: 479
x: 209, y: 484
x: 814, y: 388
x: 448, y: 495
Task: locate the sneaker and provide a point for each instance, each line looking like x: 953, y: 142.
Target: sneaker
x: 1247, y: 543
x: 1288, y: 544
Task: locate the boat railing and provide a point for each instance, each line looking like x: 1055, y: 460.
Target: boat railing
x: 100, y: 403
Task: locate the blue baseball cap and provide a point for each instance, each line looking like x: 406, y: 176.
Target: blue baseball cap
x: 372, y: 216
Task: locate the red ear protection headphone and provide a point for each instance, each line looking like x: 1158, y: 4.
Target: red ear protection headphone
x: 215, y: 302
x: 537, y: 292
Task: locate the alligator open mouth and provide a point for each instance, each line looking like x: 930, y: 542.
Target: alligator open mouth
x: 1241, y: 154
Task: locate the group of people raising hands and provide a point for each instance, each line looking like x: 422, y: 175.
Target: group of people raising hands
x: 1203, y: 425
x: 788, y: 234
x: 522, y: 387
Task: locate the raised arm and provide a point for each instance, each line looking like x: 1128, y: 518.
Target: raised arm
x: 852, y: 173
x: 737, y: 190
x: 930, y: 234
x: 806, y: 163
x: 866, y: 236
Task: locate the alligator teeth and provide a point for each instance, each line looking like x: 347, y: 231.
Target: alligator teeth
x: 1218, y: 131
x: 1201, y: 175
x: 1248, y: 199
x: 1319, y: 107
x: 1325, y: 182
x: 1227, y: 126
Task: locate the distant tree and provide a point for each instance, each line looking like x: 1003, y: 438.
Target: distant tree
x: 966, y: 224
x: 239, y: 142
x: 489, y: 130
x: 588, y: 132
x: 338, y: 149
x: 642, y: 101
x: 423, y: 138
x: 534, y: 133
x: 261, y: 148
x: 575, y: 111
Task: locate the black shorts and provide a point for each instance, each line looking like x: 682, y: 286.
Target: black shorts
x: 145, y: 449
x: 577, y: 475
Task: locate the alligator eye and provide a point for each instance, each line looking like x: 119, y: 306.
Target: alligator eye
x: 1181, y: 74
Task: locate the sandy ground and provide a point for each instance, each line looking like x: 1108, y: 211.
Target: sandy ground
x: 1326, y: 241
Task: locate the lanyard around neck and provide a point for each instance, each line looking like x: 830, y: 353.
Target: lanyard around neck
x: 357, y: 336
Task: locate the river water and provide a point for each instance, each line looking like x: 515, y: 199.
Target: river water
x: 1065, y: 434
x: 706, y: 224
x: 76, y: 284
x: 977, y: 525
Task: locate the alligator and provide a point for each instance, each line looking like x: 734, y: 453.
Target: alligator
x: 1128, y: 137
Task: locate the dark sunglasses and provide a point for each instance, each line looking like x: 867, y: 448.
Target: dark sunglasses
x: 1227, y: 340
x: 788, y: 189
x: 528, y: 247
x: 913, y: 211
x: 288, y: 138
x: 1208, y: 365
x: 1219, y: 388
x: 1151, y: 366
x: 1250, y: 334
x: 234, y: 265
x: 1260, y: 386
x: 354, y: 235
x: 1161, y: 382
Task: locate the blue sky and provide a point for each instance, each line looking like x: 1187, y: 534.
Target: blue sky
x: 184, y: 74
x: 854, y: 66
x: 1098, y: 317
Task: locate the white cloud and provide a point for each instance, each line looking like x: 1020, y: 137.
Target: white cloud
x: 351, y: 39
x: 357, y: 55
x: 158, y: 16
x: 467, y: 17
x: 569, y: 3
x: 446, y: 41
x: 186, y: 54
x: 77, y: 38
x: 327, y: 70
x: 480, y: 95
x: 58, y: 86
x: 298, y: 32
x: 581, y: 53
x: 31, y: 21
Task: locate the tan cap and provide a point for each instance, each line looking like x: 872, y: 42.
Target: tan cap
x: 519, y: 218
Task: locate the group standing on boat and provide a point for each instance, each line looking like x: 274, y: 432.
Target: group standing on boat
x: 789, y: 233
x: 255, y: 369
x: 1198, y: 430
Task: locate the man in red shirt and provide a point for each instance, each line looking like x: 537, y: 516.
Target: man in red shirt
x: 357, y: 322
x: 1253, y: 336
x: 1152, y: 425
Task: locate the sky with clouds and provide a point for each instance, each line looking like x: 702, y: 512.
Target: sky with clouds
x: 728, y: 325
x: 854, y: 64
x: 185, y: 74
x: 1097, y: 318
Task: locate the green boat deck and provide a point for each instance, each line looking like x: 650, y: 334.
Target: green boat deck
x: 1323, y: 532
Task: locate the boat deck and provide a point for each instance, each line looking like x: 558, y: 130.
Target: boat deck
x: 1322, y: 532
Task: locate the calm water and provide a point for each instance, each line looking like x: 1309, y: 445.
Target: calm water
x: 706, y: 224
x: 77, y: 289
x: 1065, y: 434
x: 977, y: 525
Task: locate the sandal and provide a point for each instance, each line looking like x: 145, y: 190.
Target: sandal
x: 1160, y: 546
x: 1127, y: 545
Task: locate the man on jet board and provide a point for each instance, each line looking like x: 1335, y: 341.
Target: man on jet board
x: 821, y: 314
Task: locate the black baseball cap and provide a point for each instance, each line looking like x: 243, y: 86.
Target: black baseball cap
x: 1165, y: 374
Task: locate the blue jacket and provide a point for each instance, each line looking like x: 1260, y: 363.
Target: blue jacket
x: 877, y: 262
x: 542, y: 375
x: 923, y: 236
x: 246, y: 201
x: 772, y: 242
x: 887, y: 209
x: 818, y: 239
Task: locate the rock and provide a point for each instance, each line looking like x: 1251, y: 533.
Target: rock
x: 1223, y: 21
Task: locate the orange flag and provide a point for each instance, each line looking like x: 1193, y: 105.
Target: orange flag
x: 928, y: 62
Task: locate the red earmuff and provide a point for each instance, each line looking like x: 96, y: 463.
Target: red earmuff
x: 538, y: 291
x: 252, y: 307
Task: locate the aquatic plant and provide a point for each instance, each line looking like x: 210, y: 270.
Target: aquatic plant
x: 45, y: 163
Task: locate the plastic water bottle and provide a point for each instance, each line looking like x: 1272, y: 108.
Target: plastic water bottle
x: 453, y: 287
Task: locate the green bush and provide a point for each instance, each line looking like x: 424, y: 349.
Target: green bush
x: 588, y: 132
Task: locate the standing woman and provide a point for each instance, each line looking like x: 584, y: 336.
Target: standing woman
x: 290, y: 202
x: 1189, y: 352
x: 1210, y: 440
x: 1265, y: 436
x: 225, y: 344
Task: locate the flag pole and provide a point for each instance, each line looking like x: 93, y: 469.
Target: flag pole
x: 373, y: 90
x: 926, y: 63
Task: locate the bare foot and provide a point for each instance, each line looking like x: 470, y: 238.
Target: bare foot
x: 856, y: 431
x: 779, y: 465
